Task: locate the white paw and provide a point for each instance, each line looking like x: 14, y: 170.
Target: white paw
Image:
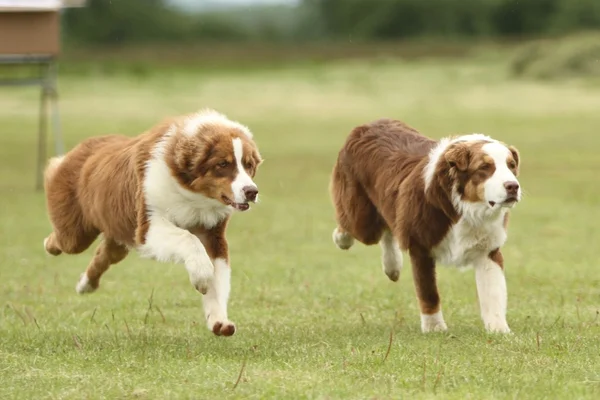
x: 392, y: 264
x: 220, y: 326
x: 84, y: 285
x: 201, y: 271
x: 343, y: 240
x: 433, y: 323
x: 393, y: 274
x: 391, y: 256
x: 53, y: 251
x: 499, y: 326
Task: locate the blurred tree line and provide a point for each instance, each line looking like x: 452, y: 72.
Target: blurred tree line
x: 135, y: 21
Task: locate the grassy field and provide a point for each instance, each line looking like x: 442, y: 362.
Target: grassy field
x: 313, y: 322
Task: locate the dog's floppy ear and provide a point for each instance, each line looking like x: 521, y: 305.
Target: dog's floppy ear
x: 516, y: 157
x: 458, y: 156
x: 185, y: 155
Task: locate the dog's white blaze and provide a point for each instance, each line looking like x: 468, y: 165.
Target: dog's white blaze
x: 242, y: 179
x: 436, y: 153
x: 494, y: 186
x: 491, y: 289
x: 433, y: 322
x: 215, y: 300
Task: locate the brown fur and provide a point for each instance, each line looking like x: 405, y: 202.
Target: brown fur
x: 496, y: 256
x: 378, y: 184
x: 98, y: 188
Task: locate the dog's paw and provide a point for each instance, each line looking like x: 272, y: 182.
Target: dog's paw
x: 201, y: 273
x: 433, y: 323
x: 222, y: 327
x: 497, y: 327
x: 343, y: 240
x: 437, y: 327
x: 51, y: 249
x: 392, y: 264
x: 85, y: 286
x: 393, y: 274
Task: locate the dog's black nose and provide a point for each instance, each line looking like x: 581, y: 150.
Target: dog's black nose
x: 250, y: 192
x: 512, y: 187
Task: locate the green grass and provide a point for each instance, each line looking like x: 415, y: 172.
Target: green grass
x: 313, y: 321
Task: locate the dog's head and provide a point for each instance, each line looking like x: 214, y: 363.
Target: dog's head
x: 215, y: 157
x: 484, y: 171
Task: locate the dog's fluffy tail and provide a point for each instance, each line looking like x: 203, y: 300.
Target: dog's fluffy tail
x: 51, y: 169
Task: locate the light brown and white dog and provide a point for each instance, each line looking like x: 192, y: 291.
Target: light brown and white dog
x: 442, y: 201
x: 168, y: 193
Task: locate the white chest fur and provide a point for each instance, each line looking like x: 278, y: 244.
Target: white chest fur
x: 188, y: 213
x: 469, y: 241
x: 164, y: 196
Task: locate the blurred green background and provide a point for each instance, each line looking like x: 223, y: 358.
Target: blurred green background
x: 140, y: 36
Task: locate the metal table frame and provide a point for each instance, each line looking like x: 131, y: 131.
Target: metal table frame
x: 47, y: 80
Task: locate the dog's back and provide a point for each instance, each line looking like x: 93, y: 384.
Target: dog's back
x: 370, y: 168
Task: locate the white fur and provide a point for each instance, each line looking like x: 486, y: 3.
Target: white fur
x: 171, y: 210
x: 215, y: 300
x: 436, y: 153
x: 343, y: 240
x: 210, y: 117
x: 242, y: 179
x: 165, y: 197
x: 479, y: 231
x: 391, y: 256
x: 168, y: 243
x: 45, y: 247
x: 55, y: 162
x: 491, y: 289
x: 494, y: 187
x: 83, y: 286
x: 481, y: 226
x: 433, y: 322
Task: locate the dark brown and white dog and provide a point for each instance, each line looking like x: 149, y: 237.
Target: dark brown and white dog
x: 168, y: 193
x: 443, y: 201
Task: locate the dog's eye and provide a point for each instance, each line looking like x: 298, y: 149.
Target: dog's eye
x: 222, y: 164
x: 248, y: 165
x: 485, y: 167
x: 512, y: 165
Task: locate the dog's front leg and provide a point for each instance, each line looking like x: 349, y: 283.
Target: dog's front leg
x: 166, y: 242
x: 423, y: 267
x: 215, y: 300
x: 491, y: 289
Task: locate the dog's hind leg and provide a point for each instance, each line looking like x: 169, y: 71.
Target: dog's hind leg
x: 391, y: 255
x: 108, y: 252
x: 356, y: 215
x: 72, y: 234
